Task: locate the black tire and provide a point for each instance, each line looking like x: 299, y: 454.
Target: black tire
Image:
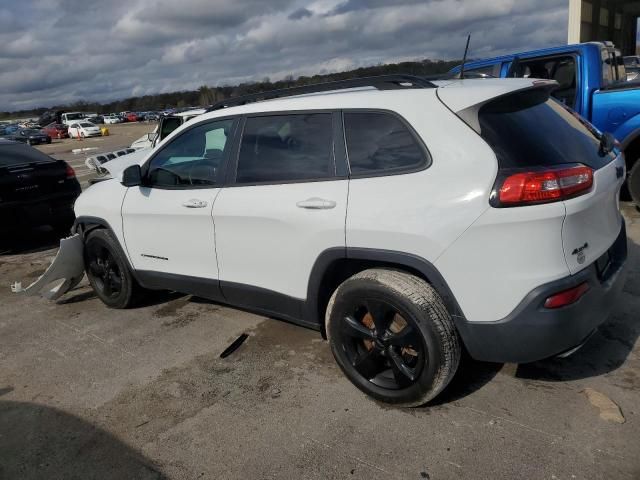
x: 633, y: 183
x: 108, y: 271
x: 405, y: 352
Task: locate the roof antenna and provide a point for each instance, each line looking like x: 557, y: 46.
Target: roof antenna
x: 464, y: 59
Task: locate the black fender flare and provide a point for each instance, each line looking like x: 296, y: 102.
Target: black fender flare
x: 391, y: 258
x: 98, y: 222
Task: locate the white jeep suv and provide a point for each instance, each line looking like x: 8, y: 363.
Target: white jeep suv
x: 404, y: 219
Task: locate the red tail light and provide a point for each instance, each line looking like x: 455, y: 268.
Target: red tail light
x: 567, y: 297
x: 545, y: 186
x: 71, y: 173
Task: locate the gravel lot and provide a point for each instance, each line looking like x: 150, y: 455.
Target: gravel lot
x: 88, y: 392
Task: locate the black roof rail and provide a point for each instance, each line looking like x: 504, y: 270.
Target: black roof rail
x: 381, y: 82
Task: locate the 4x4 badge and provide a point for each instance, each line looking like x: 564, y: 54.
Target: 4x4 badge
x: 581, y: 257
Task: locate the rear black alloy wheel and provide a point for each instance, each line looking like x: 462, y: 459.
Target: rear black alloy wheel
x: 107, y: 269
x: 392, y: 336
x: 381, y: 345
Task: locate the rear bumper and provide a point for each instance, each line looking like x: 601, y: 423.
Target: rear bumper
x: 532, y: 332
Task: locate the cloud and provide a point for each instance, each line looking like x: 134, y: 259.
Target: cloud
x: 57, y: 51
x: 300, y: 13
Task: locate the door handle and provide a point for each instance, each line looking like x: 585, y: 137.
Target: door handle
x: 316, y: 203
x: 194, y: 203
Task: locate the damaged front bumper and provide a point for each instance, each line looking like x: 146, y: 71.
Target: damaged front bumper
x: 65, y: 272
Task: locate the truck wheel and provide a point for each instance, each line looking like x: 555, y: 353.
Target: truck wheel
x: 392, y: 336
x: 633, y: 183
x: 107, y: 270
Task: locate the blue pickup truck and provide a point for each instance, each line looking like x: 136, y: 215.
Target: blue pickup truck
x: 591, y: 80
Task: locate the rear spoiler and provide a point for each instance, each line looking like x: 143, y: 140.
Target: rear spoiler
x: 543, y: 89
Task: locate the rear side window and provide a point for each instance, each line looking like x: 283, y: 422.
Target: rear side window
x: 528, y: 129
x: 381, y: 143
x: 285, y: 148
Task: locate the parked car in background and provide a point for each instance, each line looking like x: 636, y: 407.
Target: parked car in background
x: 94, y: 162
x: 35, y: 190
x: 10, y: 128
x: 95, y: 119
x: 71, y: 117
x: 132, y: 117
x: 56, y: 130
x: 112, y: 119
x: 152, y: 117
x: 29, y: 124
x: 29, y: 136
x: 168, y: 124
x: 84, y: 129
x: 50, y: 116
x: 592, y: 81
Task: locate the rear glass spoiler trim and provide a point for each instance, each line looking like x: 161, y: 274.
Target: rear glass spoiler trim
x: 469, y: 115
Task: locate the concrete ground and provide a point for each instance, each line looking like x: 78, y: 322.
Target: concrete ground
x: 89, y: 392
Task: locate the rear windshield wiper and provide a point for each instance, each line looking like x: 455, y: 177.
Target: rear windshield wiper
x: 607, y: 144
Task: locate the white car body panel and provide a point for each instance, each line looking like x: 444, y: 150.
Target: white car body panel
x: 594, y: 219
x: 431, y: 208
x: 164, y: 235
x: 463, y: 94
x: 264, y: 239
x: 104, y: 201
x: 504, y: 255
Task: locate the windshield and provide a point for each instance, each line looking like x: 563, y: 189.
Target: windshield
x: 73, y: 116
x: 87, y: 125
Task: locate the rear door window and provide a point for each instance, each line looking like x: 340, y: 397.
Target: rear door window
x: 380, y: 143
x: 529, y: 129
x: 285, y: 148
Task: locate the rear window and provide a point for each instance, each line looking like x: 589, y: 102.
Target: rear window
x: 16, y: 154
x: 381, y: 143
x: 285, y: 148
x: 529, y: 129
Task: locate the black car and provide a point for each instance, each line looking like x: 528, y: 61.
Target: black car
x: 35, y: 190
x: 96, y: 119
x: 29, y: 136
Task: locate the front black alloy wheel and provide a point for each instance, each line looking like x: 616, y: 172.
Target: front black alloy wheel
x: 104, y: 269
x: 107, y: 269
x: 392, y: 336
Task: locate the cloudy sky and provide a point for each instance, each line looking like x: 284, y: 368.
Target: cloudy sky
x: 58, y: 51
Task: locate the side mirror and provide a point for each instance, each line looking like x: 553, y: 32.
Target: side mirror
x: 152, y: 136
x: 132, y: 176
